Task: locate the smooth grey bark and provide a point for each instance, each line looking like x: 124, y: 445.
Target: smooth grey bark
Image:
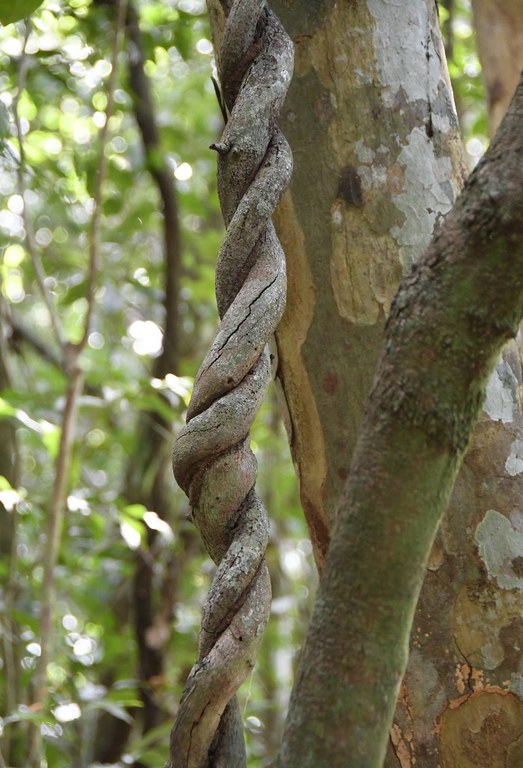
x: 451, y: 316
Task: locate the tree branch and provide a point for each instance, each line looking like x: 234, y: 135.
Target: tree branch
x: 449, y: 320
x: 19, y: 332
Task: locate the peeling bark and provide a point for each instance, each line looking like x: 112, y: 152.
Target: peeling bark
x: 326, y: 362
x: 468, y: 619
x: 496, y: 717
x: 371, y: 121
x: 452, y: 313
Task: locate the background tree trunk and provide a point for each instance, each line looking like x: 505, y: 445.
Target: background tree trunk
x: 10, y: 586
x: 499, y: 37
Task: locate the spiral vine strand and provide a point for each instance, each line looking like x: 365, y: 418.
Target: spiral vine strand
x: 212, y: 460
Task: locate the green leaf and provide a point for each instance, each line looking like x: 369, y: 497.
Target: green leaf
x: 5, y: 485
x: 14, y: 10
x: 6, y: 409
x: 51, y: 438
x: 135, y: 511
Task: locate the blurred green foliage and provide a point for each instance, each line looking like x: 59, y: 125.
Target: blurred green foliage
x: 465, y: 73
x: 14, y: 10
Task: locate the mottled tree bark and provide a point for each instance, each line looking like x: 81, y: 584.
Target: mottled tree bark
x: 370, y: 117
x: 326, y: 361
x: 452, y: 313
x: 378, y: 161
x: 465, y: 644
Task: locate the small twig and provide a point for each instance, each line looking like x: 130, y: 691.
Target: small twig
x: 54, y: 531
x: 29, y: 235
x: 222, y: 147
x: 55, y: 519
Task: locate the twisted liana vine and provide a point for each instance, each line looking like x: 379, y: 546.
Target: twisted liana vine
x: 212, y: 459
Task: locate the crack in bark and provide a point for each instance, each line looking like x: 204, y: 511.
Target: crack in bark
x: 234, y: 332
x: 212, y: 460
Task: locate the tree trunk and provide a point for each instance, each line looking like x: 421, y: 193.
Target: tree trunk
x: 378, y: 161
x: 477, y: 601
x: 10, y: 587
x: 499, y: 37
x: 325, y: 393
x: 448, y: 321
